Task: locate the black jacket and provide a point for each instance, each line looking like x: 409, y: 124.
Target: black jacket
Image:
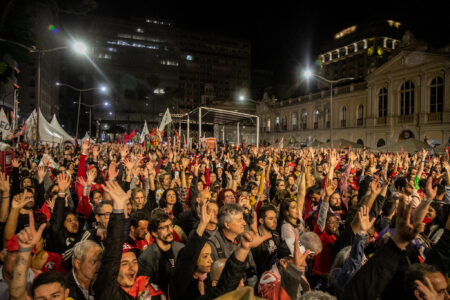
x: 106, y: 287
x: 184, y: 286
x: 75, y: 292
x: 379, y: 272
x: 149, y: 263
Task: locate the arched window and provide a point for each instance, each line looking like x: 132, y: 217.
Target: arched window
x: 407, y: 98
x: 284, y: 122
x: 294, y: 121
x: 360, y: 115
x: 437, y: 95
x: 343, y: 117
x: 360, y: 142
x: 382, y: 102
x: 381, y: 143
x: 316, y: 119
x: 268, y: 124
x: 304, y: 119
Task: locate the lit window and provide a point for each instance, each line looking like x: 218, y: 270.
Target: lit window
x: 407, y: 98
x: 140, y: 30
x: 436, y: 95
x: 112, y: 49
x: 382, y: 102
x: 189, y: 57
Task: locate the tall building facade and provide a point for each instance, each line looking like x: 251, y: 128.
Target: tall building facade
x: 406, y: 97
x: 43, y: 18
x: 149, y: 65
x: 213, y: 68
x: 138, y: 60
x: 357, y: 50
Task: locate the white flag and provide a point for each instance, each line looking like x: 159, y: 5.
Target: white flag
x: 4, y: 125
x: 165, y: 120
x: 144, y: 133
x: 31, y: 130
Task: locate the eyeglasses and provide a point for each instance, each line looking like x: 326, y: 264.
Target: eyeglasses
x: 167, y: 227
x: 104, y: 214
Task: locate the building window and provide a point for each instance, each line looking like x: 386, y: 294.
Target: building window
x: 316, y: 119
x: 268, y: 125
x: 382, y: 102
x: 294, y: 121
x: 381, y: 143
x: 327, y: 118
x: 189, y: 57
x: 360, y: 115
x: 304, y: 120
x: 407, y: 98
x: 436, y: 95
x: 360, y: 142
x: 343, y: 117
x: 140, y: 30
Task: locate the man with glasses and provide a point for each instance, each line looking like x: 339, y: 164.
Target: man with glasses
x: 158, y: 260
x: 102, y: 212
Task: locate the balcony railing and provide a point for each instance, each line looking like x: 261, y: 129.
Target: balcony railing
x: 435, y: 117
x: 359, y: 122
x: 406, y: 119
x: 343, y: 123
x: 381, y: 120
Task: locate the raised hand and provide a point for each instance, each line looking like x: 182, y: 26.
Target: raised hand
x: 63, y: 182
x: 120, y: 198
x: 405, y: 230
x: 29, y: 237
x: 95, y: 151
x: 123, y: 151
x: 82, y: 182
x: 20, y: 200
x: 375, y: 187
x: 4, y: 183
x: 112, y: 171
x: 427, y: 290
x: 128, y: 164
x: 429, y: 191
x: 299, y: 257
x: 330, y: 187
x: 85, y: 147
x: 252, y: 239
x: 15, y: 163
x: 41, y: 173
x: 364, y: 219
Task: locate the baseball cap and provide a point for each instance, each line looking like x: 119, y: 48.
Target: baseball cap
x: 127, y: 248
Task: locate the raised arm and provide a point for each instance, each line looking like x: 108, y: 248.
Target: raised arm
x: 27, y: 240
x: 4, y: 190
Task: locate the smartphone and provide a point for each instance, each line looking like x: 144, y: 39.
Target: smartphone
x: 177, y: 174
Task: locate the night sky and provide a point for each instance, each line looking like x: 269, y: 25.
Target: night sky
x: 287, y: 35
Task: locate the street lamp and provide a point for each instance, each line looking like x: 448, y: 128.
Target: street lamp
x: 308, y: 74
x: 243, y: 98
x: 80, y: 91
x: 77, y: 46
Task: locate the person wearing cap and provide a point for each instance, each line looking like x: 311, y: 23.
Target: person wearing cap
x: 8, y: 268
x: 286, y: 279
x: 118, y: 275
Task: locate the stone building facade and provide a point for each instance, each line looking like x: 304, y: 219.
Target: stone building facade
x: 407, y: 97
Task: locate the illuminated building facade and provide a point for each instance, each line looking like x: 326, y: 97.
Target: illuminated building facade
x: 356, y: 50
x: 406, y: 97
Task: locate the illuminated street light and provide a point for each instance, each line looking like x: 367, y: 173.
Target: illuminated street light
x: 308, y: 74
x: 106, y: 103
x: 80, y: 47
x: 80, y: 91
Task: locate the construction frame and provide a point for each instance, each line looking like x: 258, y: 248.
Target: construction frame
x: 215, y: 116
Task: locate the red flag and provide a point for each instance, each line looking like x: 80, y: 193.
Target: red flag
x: 127, y: 137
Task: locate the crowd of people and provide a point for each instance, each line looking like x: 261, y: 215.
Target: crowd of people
x: 115, y: 221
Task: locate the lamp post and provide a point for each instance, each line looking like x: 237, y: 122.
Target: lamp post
x: 90, y: 111
x: 78, y: 47
x: 309, y: 74
x: 243, y: 98
x: 80, y: 91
